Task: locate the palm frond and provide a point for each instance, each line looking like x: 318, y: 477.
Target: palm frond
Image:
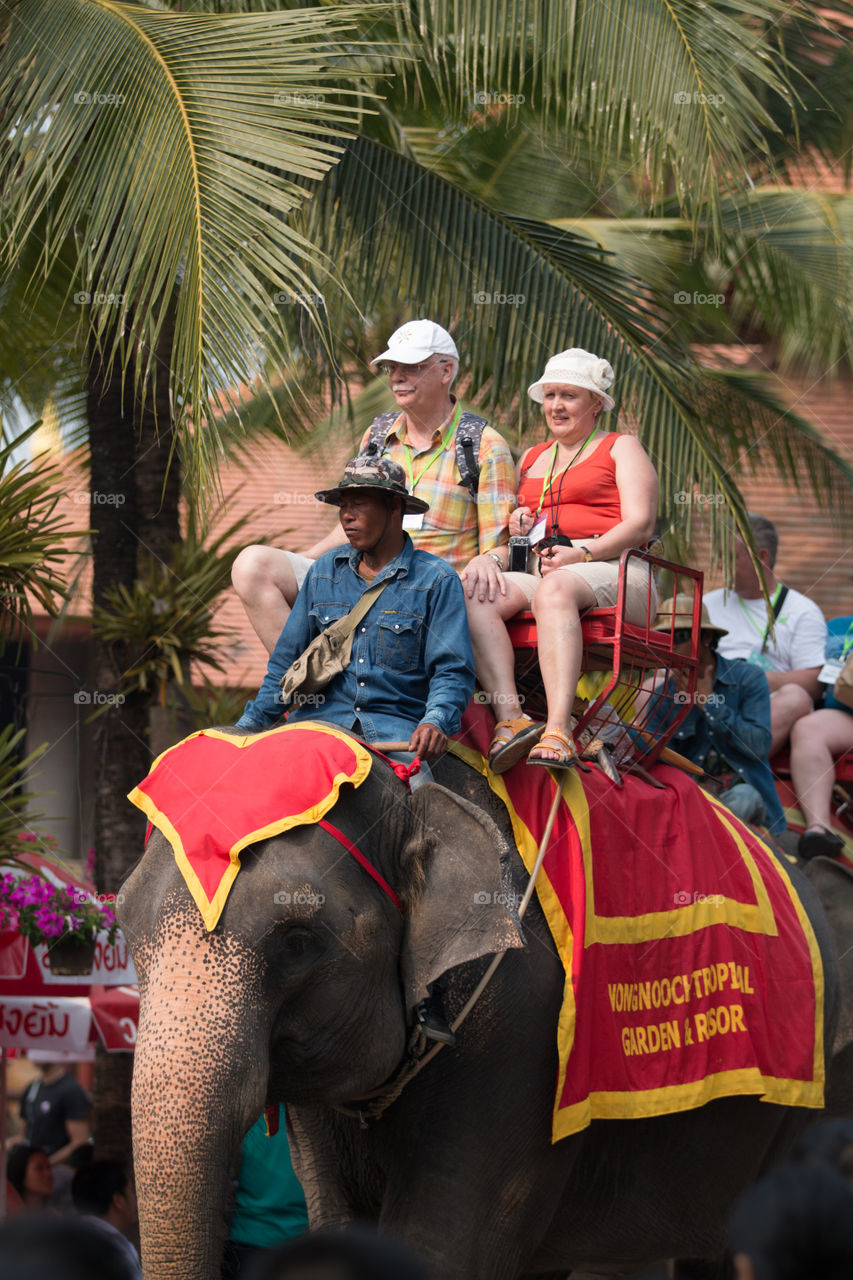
x: 174, y: 145
x: 516, y: 291
x: 675, y: 85
x: 789, y: 255
x: 165, y: 619
x: 32, y: 538
x: 16, y: 813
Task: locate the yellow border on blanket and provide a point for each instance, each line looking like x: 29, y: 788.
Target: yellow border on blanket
x: 549, y: 901
x: 680, y: 921
x: 211, y: 908
x: 670, y: 1098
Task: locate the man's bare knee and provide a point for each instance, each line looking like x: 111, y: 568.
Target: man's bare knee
x: 788, y: 704
x: 260, y: 573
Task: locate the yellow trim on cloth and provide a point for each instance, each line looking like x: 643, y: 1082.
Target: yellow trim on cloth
x: 211, y: 908
x: 757, y: 918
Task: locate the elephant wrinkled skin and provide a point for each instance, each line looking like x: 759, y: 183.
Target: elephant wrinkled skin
x: 302, y: 994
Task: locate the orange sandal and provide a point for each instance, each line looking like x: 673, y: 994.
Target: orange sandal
x: 511, y: 742
x: 561, y: 743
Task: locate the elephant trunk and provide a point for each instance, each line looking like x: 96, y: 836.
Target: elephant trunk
x: 200, y: 1078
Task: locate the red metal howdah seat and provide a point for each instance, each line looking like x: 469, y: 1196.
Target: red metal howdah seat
x: 634, y: 722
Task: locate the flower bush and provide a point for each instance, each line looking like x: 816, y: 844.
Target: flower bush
x: 43, y: 912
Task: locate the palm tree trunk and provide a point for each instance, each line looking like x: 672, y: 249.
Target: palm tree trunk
x: 134, y: 510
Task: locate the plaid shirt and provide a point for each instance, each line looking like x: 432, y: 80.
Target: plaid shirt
x: 457, y: 526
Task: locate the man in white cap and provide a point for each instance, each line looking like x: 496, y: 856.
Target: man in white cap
x: 452, y: 460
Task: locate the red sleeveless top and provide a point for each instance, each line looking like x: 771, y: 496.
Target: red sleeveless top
x: 581, y: 502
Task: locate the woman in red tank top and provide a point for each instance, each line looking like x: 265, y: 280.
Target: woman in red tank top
x: 584, y: 497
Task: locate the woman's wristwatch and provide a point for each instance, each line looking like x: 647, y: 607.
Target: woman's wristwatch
x: 587, y: 554
x: 497, y: 560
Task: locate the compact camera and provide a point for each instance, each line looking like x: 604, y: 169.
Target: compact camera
x: 519, y: 550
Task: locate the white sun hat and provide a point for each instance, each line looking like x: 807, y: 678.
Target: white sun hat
x: 576, y: 368
x: 416, y: 341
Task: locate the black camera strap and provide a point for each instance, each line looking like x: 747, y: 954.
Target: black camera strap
x: 778, y: 601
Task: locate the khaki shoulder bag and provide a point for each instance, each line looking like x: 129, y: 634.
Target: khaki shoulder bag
x: 329, y: 653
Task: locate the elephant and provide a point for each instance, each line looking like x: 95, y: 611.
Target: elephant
x: 303, y: 993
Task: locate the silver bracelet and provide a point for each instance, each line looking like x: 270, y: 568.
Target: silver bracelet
x: 497, y: 560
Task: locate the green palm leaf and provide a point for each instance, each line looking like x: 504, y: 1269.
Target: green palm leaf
x: 180, y: 141
x: 33, y: 539
x: 675, y: 85
x: 790, y: 255
x: 547, y: 289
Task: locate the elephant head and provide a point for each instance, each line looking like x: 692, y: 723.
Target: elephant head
x: 303, y: 991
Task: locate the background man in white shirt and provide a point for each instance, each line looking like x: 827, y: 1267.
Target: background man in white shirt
x: 793, y: 655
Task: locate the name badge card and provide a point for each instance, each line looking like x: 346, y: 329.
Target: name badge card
x: 537, y: 533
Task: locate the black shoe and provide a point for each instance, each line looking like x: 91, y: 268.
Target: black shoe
x: 819, y: 844
x: 433, y: 1023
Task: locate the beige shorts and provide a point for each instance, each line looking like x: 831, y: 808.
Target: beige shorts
x: 603, y: 578
x: 300, y: 566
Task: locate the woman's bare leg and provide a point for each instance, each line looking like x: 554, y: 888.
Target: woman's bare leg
x: 494, y: 658
x: 815, y: 741
x: 557, y: 606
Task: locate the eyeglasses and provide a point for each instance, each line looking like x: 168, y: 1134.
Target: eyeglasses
x: 413, y: 370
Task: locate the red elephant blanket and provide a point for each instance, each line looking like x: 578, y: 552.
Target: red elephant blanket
x: 692, y: 970
x: 215, y: 793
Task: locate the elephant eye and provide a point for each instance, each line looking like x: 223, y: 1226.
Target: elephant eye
x: 296, y: 942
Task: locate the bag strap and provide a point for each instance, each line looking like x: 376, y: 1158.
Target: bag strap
x: 348, y: 623
x: 777, y: 609
x: 469, y: 434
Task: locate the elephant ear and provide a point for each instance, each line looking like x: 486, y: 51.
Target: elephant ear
x: 459, y: 914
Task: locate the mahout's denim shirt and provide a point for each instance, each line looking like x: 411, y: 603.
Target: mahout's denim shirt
x: 735, y: 721
x: 411, y: 655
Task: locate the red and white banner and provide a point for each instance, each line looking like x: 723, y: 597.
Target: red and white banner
x: 43, y: 1011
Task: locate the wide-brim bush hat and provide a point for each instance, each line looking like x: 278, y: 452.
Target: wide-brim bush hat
x: 576, y: 368
x: 368, y: 472
x: 677, y: 613
x: 416, y: 341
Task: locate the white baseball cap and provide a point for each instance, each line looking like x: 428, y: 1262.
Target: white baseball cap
x: 417, y: 340
x: 576, y: 368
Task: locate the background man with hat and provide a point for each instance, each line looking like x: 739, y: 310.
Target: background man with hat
x: 464, y: 524
x: 727, y: 730
x: 411, y: 673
